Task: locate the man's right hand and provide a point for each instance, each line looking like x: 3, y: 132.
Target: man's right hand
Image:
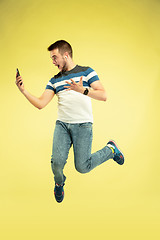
x: 19, y: 83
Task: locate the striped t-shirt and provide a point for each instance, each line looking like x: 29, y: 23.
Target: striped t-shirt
x: 73, y: 107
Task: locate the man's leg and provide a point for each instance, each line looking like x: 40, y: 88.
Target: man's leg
x: 82, y: 143
x: 61, y: 145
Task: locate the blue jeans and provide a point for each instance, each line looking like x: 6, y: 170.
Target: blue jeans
x: 80, y: 135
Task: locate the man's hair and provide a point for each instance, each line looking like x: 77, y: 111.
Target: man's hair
x: 62, y: 46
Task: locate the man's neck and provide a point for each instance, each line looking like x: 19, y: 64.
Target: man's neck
x: 70, y: 66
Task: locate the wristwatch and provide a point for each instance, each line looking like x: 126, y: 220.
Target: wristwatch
x: 86, y: 91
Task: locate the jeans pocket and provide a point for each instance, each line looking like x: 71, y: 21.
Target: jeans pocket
x: 86, y: 125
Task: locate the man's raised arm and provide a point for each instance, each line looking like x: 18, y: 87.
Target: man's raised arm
x: 40, y: 102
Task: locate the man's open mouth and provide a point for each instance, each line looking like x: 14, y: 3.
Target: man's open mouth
x: 57, y: 65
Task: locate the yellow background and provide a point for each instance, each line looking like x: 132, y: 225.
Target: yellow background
x: 120, y: 39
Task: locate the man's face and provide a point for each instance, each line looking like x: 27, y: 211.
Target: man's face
x: 58, y: 59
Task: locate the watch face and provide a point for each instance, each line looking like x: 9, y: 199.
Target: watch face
x: 86, y: 91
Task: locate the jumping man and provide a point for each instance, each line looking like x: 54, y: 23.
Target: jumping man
x: 74, y: 86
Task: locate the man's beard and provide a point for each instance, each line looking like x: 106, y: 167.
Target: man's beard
x: 64, y: 69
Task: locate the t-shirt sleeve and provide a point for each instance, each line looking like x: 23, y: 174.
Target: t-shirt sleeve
x: 50, y: 85
x: 92, y: 76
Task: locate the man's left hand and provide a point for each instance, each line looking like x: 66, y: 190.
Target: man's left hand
x: 78, y: 87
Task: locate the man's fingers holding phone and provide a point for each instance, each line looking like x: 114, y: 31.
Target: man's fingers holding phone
x: 19, y: 81
x: 17, y: 75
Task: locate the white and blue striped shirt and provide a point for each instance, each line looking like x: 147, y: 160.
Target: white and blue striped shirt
x: 73, y: 107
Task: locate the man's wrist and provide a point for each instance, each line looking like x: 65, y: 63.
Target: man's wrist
x: 82, y: 91
x: 24, y: 92
x: 86, y: 91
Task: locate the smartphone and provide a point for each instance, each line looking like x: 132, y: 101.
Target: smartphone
x: 18, y: 74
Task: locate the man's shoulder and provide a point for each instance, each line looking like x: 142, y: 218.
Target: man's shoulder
x: 57, y: 75
x: 84, y: 69
x: 56, y: 78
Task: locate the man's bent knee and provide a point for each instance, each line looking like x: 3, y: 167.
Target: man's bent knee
x: 81, y: 169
